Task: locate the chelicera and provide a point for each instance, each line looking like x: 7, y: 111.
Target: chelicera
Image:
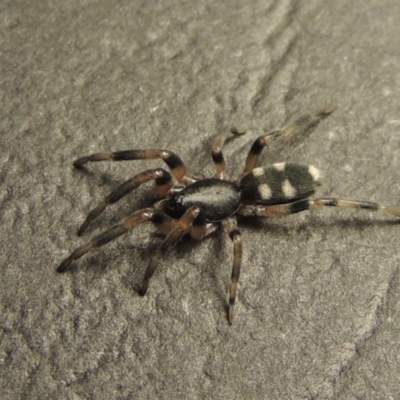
x: 198, y: 206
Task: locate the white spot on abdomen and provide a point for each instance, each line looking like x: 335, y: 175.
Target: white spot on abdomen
x: 258, y: 171
x: 265, y: 191
x: 288, y: 190
x: 314, y: 172
x: 279, y: 166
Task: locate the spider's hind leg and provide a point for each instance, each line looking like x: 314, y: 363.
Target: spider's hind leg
x: 356, y: 204
x: 160, y: 219
x: 280, y: 210
x: 304, y: 122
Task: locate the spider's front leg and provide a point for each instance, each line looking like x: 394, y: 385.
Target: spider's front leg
x: 184, y: 224
x: 161, y: 177
x: 163, y: 222
x: 280, y: 210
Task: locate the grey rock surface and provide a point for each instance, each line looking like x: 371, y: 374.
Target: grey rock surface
x: 318, y: 313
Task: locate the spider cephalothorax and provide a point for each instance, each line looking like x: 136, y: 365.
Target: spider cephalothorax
x: 199, y: 206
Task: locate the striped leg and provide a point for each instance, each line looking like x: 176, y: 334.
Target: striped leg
x: 300, y: 124
x: 199, y: 228
x: 173, y: 161
x: 281, y: 210
x: 216, y: 154
x: 181, y: 227
x: 230, y: 227
x: 163, y: 182
x: 160, y: 219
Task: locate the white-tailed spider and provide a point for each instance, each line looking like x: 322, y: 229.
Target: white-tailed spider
x: 198, y: 207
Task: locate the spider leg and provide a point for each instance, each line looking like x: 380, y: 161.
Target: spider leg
x: 163, y: 182
x: 216, y: 153
x: 230, y: 227
x: 173, y: 161
x: 280, y: 210
x: 199, y: 228
x: 160, y: 219
x: 181, y: 227
x: 300, y: 124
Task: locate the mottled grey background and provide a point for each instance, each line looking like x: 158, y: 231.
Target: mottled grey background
x: 319, y: 311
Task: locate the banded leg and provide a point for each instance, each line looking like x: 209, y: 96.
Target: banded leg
x: 181, y: 227
x: 281, y: 210
x: 230, y: 226
x: 199, y: 228
x: 173, y: 161
x: 163, y: 182
x: 216, y: 154
x: 160, y: 219
x: 301, y: 123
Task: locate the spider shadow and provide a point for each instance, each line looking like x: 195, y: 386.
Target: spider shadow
x: 216, y: 250
x: 179, y: 253
x: 102, y: 262
x: 102, y: 178
x: 131, y: 277
x: 353, y: 223
x: 142, y: 197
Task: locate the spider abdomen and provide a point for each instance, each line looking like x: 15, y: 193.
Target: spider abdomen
x: 217, y: 198
x: 279, y: 183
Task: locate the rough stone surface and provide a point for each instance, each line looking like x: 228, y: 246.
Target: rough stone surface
x: 318, y: 312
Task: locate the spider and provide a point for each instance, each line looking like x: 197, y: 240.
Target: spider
x: 198, y: 206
